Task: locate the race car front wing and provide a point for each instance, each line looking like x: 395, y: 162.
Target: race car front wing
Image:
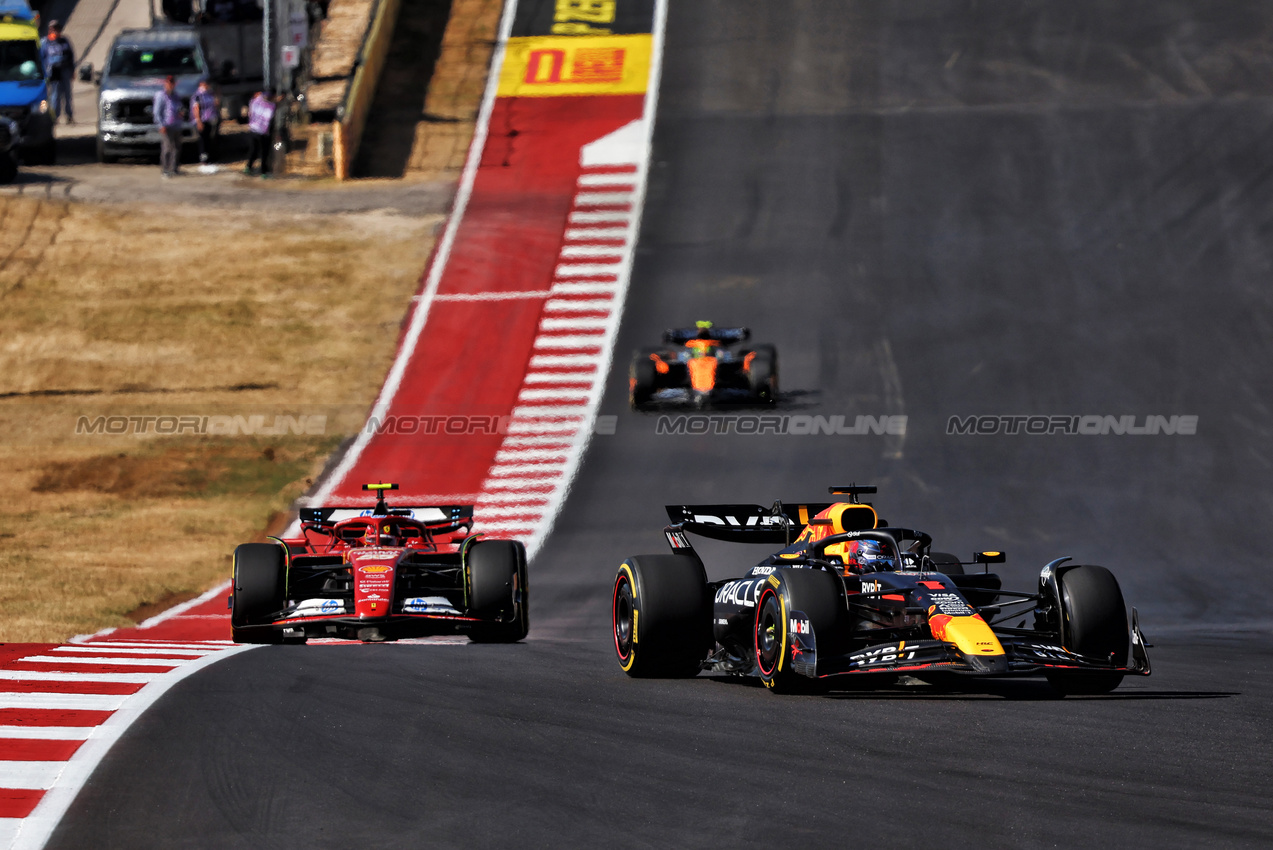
x: 1023, y: 655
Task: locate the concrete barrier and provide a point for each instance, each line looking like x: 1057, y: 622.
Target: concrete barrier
x: 347, y: 133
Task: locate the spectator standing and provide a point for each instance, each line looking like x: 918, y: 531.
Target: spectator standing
x: 167, y: 111
x: 206, y: 112
x: 58, y: 59
x: 260, y: 120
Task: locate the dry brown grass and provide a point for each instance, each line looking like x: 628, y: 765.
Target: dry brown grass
x: 181, y: 311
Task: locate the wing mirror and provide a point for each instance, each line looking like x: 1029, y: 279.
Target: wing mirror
x: 989, y: 557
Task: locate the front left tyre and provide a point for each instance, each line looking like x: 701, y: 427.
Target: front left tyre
x: 661, y: 613
x: 259, y: 586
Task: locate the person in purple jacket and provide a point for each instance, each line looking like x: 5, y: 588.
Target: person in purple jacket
x: 167, y: 111
x: 206, y: 114
x: 260, y: 120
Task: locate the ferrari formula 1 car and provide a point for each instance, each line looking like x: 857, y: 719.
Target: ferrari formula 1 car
x: 851, y: 596
x: 380, y: 574
x: 696, y: 366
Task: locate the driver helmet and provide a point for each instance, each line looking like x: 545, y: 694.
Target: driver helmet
x: 870, y: 556
x: 704, y: 329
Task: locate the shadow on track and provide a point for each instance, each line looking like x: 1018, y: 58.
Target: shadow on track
x: 1016, y: 691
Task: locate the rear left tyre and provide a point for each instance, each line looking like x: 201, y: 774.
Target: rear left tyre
x: 259, y: 586
x: 661, y: 613
x: 498, y: 591
x: 1094, y: 623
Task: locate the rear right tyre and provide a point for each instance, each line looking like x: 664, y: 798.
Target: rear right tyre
x: 946, y: 563
x: 661, y: 614
x: 762, y: 376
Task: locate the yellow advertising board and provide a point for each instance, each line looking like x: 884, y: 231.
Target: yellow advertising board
x: 549, y: 66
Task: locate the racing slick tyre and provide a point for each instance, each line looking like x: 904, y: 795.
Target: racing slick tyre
x: 762, y: 377
x: 642, y: 378
x: 946, y: 563
x: 260, y: 582
x: 662, y: 616
x: 498, y: 591
x: 8, y: 168
x: 1094, y: 623
x: 820, y: 595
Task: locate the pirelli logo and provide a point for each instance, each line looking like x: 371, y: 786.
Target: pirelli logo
x: 549, y: 66
x: 588, y: 65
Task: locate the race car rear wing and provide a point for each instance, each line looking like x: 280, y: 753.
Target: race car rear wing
x: 440, y: 519
x: 777, y: 525
x: 728, y: 336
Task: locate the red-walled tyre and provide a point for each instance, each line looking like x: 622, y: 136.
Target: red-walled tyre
x: 820, y: 595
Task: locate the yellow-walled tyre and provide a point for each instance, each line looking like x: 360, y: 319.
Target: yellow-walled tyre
x: 661, y: 614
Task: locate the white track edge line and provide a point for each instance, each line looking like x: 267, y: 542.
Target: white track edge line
x: 38, y: 826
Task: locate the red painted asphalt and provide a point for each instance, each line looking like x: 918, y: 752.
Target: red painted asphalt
x: 472, y: 355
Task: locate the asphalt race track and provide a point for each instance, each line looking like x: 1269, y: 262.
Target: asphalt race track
x: 933, y: 209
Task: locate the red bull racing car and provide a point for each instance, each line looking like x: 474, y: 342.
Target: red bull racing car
x: 380, y: 573
x: 848, y: 595
x: 696, y: 366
